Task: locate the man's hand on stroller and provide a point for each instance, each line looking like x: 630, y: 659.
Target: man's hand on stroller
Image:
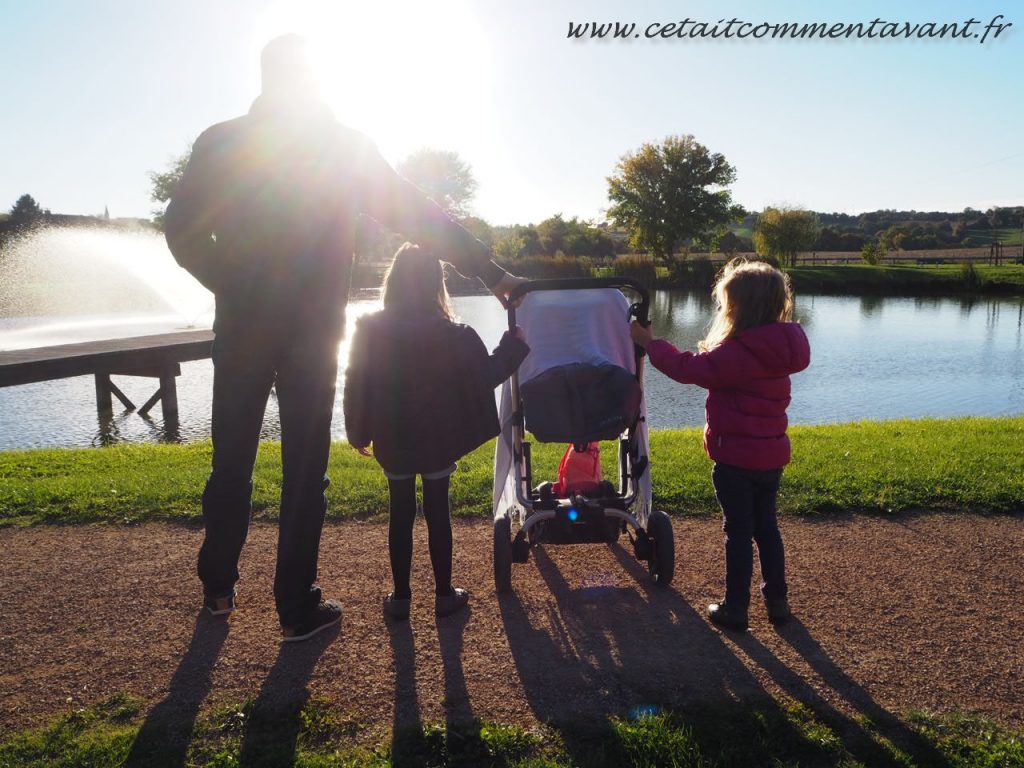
x: 642, y: 334
x: 505, y: 286
x: 365, y: 451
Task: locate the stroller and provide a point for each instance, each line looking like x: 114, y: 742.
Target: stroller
x: 581, y: 383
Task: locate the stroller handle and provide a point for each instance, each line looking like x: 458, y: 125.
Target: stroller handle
x: 640, y: 310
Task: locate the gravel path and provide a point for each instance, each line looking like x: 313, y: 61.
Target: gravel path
x: 921, y: 611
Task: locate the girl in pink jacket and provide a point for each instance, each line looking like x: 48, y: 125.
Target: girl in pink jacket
x: 745, y: 362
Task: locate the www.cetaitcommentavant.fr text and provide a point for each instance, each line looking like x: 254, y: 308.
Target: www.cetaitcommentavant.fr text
x: 738, y: 29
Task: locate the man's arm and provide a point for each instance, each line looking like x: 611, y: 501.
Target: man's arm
x: 398, y: 204
x: 188, y: 223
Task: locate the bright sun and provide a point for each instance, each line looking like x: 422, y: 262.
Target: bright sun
x: 409, y: 74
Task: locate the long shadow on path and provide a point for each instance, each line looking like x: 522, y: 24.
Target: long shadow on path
x: 464, y: 745
x: 272, y: 733
x: 623, y: 651
x: 163, y: 739
x: 859, y: 741
x: 407, y: 741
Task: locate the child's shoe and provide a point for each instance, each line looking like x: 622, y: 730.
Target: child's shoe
x: 728, y: 616
x: 397, y: 608
x: 778, y: 610
x: 446, y: 605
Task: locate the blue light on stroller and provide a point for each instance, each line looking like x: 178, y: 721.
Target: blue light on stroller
x: 644, y: 710
x: 573, y: 514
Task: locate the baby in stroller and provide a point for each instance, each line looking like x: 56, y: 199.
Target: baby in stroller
x: 579, y: 386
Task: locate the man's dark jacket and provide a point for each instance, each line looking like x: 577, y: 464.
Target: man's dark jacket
x: 421, y: 389
x: 264, y: 217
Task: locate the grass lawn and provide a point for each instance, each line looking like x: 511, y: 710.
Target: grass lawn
x: 972, y: 464
x: 114, y: 733
x: 1004, y: 235
x: 907, y: 280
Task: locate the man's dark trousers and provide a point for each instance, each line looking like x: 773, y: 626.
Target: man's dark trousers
x: 248, y: 361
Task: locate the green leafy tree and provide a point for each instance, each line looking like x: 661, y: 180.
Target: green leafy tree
x: 665, y: 194
x: 25, y: 211
x: 481, y: 230
x: 729, y: 243
x: 164, y: 183
x: 531, y: 241
x: 553, y: 233
x: 509, y: 247
x: 872, y: 253
x: 888, y: 240
x: 443, y: 176
x: 782, y: 233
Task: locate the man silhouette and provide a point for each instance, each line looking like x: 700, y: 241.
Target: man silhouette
x: 264, y: 217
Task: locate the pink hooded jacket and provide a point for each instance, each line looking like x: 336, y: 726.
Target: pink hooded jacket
x: 747, y: 378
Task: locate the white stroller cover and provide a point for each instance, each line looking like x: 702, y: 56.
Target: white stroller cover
x: 562, y: 327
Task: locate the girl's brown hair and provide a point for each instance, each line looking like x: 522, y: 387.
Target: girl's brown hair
x: 747, y: 294
x: 415, y: 281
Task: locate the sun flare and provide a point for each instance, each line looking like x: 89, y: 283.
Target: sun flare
x: 408, y: 74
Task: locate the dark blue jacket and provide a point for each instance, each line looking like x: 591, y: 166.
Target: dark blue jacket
x: 420, y: 388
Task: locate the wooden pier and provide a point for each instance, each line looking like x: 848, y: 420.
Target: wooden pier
x: 158, y: 356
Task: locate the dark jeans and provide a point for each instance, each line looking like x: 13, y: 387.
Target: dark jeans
x: 439, y: 532
x: 246, y: 365
x: 747, y: 498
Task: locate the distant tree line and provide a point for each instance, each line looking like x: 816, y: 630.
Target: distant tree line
x: 27, y: 215
x: 905, y: 230
x: 667, y: 199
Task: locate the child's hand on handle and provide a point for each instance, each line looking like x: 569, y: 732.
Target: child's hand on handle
x: 642, y: 334
x: 519, y: 334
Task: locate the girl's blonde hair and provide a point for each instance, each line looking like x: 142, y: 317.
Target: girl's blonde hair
x: 415, y: 281
x: 747, y: 294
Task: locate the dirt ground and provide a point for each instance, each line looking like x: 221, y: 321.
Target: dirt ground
x: 917, y: 612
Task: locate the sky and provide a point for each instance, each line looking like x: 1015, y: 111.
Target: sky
x: 98, y: 94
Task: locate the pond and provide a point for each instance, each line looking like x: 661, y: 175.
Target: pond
x: 872, y: 358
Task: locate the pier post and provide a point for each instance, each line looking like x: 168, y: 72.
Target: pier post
x: 103, y: 402
x: 169, y: 393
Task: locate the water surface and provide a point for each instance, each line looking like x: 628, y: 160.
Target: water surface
x: 872, y: 358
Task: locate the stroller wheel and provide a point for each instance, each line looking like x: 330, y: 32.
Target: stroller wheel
x: 663, y: 555
x: 503, y: 554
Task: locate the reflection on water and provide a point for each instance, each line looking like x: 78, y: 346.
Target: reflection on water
x: 872, y: 358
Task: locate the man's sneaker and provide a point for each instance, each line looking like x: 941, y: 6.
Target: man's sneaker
x: 778, y: 611
x: 326, y: 615
x: 396, y: 608
x: 727, y: 616
x: 219, y: 606
x: 446, y: 605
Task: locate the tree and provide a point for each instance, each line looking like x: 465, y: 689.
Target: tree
x: 553, y: 233
x: 164, y: 184
x: 509, y: 247
x: 480, y: 229
x: 730, y: 243
x: 872, y: 253
x: 784, y: 232
x: 25, y: 211
x: 668, y: 193
x: 443, y: 176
